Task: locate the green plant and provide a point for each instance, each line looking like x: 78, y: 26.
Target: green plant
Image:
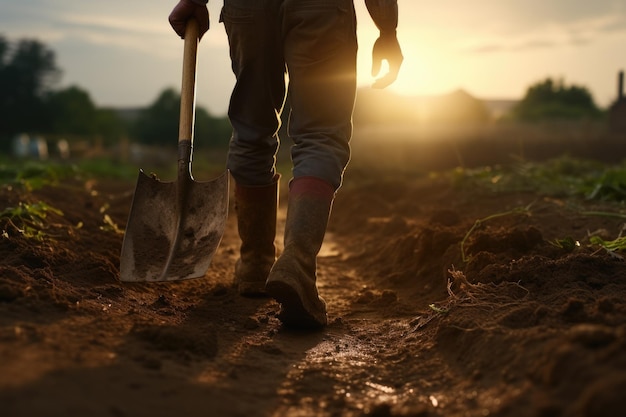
x: 439, y: 310
x: 610, y: 245
x: 27, y: 219
x: 111, y: 226
x: 563, y: 176
x: 603, y: 214
x: 34, y: 175
x: 568, y: 244
x: 106, y: 168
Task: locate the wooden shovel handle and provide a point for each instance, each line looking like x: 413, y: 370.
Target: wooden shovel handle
x: 188, y: 90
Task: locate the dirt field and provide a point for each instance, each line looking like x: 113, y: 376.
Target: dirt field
x: 431, y: 313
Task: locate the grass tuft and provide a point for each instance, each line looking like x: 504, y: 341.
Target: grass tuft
x: 26, y: 219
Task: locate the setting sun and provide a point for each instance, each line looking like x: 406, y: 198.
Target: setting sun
x: 493, y: 51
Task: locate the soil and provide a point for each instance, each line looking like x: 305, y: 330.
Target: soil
x: 431, y: 313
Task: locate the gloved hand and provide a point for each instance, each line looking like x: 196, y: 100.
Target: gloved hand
x: 185, y: 10
x: 386, y: 48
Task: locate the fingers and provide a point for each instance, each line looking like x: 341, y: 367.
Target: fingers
x: 178, y: 26
x: 392, y: 74
x: 203, y: 26
x: 386, y: 49
x: 179, y: 15
x: 201, y: 14
x: 386, y: 80
x: 186, y: 10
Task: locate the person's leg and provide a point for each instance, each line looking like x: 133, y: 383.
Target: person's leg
x: 256, y: 208
x: 292, y: 280
x: 320, y: 51
x: 255, y: 106
x: 259, y: 92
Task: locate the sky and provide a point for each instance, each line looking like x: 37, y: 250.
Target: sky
x: 124, y: 53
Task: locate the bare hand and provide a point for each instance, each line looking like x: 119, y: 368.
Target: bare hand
x: 185, y: 10
x: 386, y: 48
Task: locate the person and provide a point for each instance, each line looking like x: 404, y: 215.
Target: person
x: 313, y: 43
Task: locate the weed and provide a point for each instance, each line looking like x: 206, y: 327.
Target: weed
x: 479, y: 295
x: 111, y: 226
x: 611, y: 246
x: 564, y: 176
x: 519, y: 210
x: 568, y: 244
x: 438, y: 309
x: 34, y: 175
x: 107, y: 168
x: 603, y: 214
x: 27, y: 219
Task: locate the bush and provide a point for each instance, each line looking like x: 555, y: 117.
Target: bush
x: 553, y: 100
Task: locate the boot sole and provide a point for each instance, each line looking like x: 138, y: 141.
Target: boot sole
x: 297, y: 310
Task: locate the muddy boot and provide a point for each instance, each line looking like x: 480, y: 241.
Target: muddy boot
x: 292, y: 279
x: 256, y: 221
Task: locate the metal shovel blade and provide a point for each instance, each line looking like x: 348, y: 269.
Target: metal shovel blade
x: 166, y: 240
x: 174, y: 228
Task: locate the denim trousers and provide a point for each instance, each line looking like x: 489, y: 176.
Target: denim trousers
x: 309, y: 46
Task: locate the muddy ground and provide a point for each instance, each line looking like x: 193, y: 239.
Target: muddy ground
x: 431, y: 312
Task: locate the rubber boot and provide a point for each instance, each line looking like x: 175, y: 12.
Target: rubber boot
x: 292, y: 279
x: 256, y: 221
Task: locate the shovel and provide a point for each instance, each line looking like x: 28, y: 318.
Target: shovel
x: 175, y: 228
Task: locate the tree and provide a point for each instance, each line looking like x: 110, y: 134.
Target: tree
x: 158, y: 124
x: 71, y: 112
x: 553, y: 100
x: 4, y: 51
x: 211, y: 131
x: 110, y: 126
x: 27, y: 73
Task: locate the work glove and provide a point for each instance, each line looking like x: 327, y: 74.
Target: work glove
x: 188, y: 9
x: 386, y: 48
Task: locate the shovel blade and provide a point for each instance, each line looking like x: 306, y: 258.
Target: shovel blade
x: 167, y: 240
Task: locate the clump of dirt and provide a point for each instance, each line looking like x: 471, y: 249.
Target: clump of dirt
x: 436, y: 306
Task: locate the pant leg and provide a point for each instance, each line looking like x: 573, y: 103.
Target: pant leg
x: 257, y: 99
x: 320, y: 52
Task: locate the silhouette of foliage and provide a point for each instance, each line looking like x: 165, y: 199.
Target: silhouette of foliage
x: 554, y: 100
x: 71, y: 111
x: 29, y: 104
x: 28, y: 71
x: 110, y: 126
x: 158, y: 123
x: 211, y: 131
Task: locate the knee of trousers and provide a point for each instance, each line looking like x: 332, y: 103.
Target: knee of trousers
x: 251, y: 166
